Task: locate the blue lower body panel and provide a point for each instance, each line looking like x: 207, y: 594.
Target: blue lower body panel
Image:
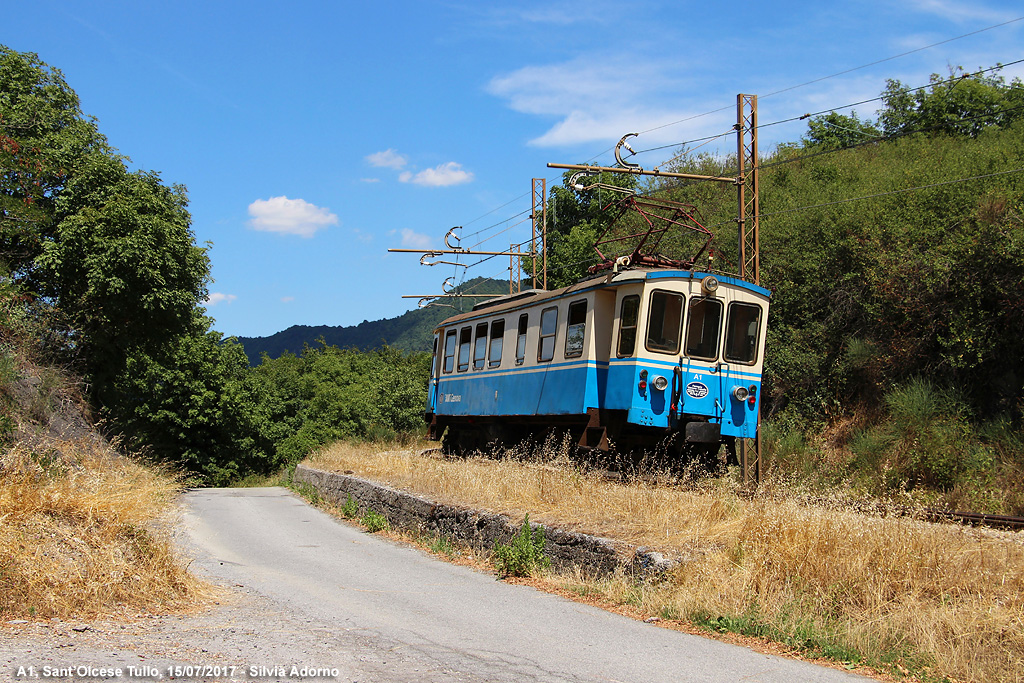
x: 557, y: 389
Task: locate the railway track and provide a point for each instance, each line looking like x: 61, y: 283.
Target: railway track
x: 1006, y: 522
x: 977, y: 519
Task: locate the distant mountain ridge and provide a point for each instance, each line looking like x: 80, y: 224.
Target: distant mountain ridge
x: 412, y: 331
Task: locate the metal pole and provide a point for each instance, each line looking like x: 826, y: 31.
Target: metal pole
x: 544, y: 232
x: 537, y: 189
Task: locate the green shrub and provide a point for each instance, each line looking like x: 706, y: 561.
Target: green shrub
x: 374, y: 521
x: 350, y: 509
x: 524, y: 555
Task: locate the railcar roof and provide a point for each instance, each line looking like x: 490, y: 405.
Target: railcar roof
x: 533, y: 297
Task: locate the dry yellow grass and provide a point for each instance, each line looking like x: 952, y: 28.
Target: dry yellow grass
x: 939, y: 599
x: 78, y: 538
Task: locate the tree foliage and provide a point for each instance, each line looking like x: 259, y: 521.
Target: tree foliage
x: 44, y: 139
x: 833, y: 130
x: 961, y: 104
x: 328, y: 393
x: 577, y: 218
x: 124, y: 266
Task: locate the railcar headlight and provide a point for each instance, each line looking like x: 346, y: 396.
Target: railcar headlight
x: 709, y: 285
x: 659, y: 382
x: 740, y: 393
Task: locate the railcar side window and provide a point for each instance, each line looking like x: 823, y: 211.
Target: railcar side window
x: 465, y: 337
x: 702, y: 330
x: 524, y: 322
x: 480, y: 346
x: 628, y: 315
x: 665, y: 322
x: 449, y: 351
x: 576, y: 329
x: 742, y: 330
x: 497, y: 337
x: 548, y: 327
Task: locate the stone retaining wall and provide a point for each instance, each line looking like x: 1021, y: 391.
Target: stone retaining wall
x: 593, y: 554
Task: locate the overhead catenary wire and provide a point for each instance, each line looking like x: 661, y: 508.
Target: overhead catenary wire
x: 839, y: 73
x: 953, y: 79
x: 773, y: 93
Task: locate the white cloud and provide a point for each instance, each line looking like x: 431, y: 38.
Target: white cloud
x: 216, y: 297
x: 289, y: 216
x: 369, y: 180
x: 450, y: 173
x: 961, y: 11
x: 598, y: 100
x: 415, y: 240
x: 287, y: 299
x: 389, y: 158
x: 559, y: 13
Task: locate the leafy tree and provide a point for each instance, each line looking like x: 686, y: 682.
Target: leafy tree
x: 124, y: 266
x: 833, y: 131
x: 329, y: 394
x: 962, y: 104
x: 197, y: 404
x: 44, y: 138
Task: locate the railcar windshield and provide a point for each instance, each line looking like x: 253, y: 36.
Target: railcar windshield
x: 742, y: 331
x: 629, y: 313
x: 666, y: 322
x: 703, y: 328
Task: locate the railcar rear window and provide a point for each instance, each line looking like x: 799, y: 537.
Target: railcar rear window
x: 449, y: 351
x: 524, y: 322
x: 548, y: 327
x: 629, y: 313
x: 576, y: 329
x: 465, y: 337
x: 665, y: 322
x: 702, y: 330
x: 497, y: 337
x: 480, y: 346
x: 742, y: 331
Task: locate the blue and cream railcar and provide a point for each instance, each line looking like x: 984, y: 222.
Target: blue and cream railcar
x: 630, y: 357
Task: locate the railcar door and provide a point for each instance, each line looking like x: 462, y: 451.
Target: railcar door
x: 700, y: 388
x: 435, y: 371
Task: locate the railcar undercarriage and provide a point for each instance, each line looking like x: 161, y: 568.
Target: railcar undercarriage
x: 603, y: 434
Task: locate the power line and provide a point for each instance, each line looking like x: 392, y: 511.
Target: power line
x: 953, y: 79
x: 840, y: 73
x: 891, y: 192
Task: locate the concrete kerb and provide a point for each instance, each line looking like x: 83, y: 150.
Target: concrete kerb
x: 593, y: 555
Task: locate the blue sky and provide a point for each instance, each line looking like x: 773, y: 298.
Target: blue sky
x: 313, y: 136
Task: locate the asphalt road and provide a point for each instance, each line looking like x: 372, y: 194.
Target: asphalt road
x: 385, y: 612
